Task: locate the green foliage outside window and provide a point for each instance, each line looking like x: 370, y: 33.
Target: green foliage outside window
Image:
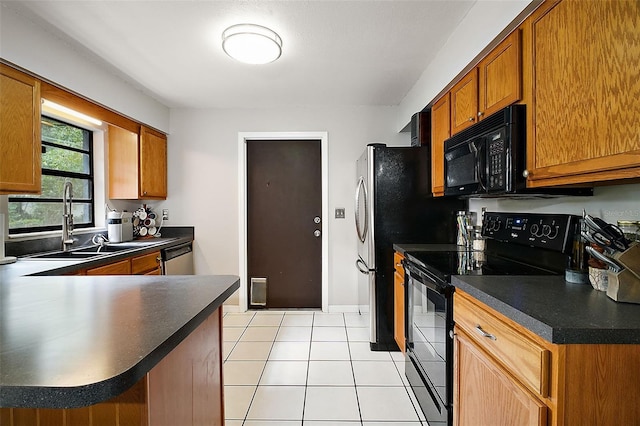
x: 66, y: 155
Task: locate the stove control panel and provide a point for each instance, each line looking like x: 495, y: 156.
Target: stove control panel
x: 550, y: 231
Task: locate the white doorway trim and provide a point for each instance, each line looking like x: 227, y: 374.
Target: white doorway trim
x: 243, y: 137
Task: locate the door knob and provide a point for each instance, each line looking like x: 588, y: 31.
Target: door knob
x: 316, y: 219
x: 317, y: 233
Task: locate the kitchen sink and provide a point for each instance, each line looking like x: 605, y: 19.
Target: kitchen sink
x: 79, y: 253
x: 62, y: 255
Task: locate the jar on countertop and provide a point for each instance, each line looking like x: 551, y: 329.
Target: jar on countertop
x: 630, y: 229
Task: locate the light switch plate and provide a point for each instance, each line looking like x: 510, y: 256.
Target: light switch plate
x: 340, y: 213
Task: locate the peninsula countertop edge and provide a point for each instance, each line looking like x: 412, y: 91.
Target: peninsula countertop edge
x: 73, y: 341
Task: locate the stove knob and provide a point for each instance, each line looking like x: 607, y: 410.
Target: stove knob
x: 552, y: 234
x: 534, y: 229
x: 546, y: 230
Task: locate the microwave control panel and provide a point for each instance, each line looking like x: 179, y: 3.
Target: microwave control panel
x: 496, y: 160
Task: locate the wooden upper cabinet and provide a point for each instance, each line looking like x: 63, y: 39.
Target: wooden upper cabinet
x: 464, y: 102
x: 20, y: 145
x: 500, y: 76
x: 137, y: 164
x: 440, y: 131
x: 153, y: 164
x: 585, y: 85
x: 494, y: 84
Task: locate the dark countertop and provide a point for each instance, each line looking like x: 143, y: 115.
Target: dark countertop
x: 75, y: 341
x: 558, y: 311
x: 32, y: 266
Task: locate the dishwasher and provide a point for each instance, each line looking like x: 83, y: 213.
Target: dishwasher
x: 178, y: 260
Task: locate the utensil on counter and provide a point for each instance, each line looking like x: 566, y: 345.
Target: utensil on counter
x: 588, y: 237
x: 605, y: 233
x: 612, y: 264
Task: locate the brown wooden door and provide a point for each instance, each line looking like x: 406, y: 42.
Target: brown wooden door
x: 284, y: 196
x: 19, y: 132
x: 500, y: 76
x: 441, y: 125
x: 464, y: 102
x: 484, y: 395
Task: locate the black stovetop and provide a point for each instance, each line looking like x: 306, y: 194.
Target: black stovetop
x: 443, y: 264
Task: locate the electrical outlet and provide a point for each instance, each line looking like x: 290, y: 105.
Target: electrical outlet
x: 340, y: 213
x: 165, y: 214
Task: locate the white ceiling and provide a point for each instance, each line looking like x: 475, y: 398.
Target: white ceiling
x: 365, y: 52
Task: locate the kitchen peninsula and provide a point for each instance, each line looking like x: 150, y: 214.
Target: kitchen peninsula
x: 107, y: 350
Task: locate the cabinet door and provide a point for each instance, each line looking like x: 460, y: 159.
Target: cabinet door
x: 398, y: 302
x: 440, y: 125
x: 145, y: 263
x: 19, y: 132
x: 586, y: 92
x: 484, y: 395
x: 500, y: 76
x: 122, y: 267
x: 123, y: 164
x: 153, y: 164
x: 464, y: 102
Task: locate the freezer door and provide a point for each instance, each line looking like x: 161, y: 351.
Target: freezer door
x: 366, y: 262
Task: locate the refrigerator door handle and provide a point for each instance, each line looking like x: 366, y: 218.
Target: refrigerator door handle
x: 362, y: 267
x: 361, y: 228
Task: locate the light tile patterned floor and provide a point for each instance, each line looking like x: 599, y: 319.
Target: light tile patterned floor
x: 311, y: 368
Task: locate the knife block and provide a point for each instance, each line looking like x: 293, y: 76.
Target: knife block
x: 624, y: 286
x: 630, y: 259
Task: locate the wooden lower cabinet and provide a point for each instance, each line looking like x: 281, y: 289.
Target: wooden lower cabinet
x: 184, y: 388
x: 147, y: 264
x: 497, y: 381
x: 398, y: 301
x: 486, y: 395
x: 122, y: 267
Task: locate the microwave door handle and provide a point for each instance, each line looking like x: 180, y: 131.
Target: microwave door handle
x: 482, y: 164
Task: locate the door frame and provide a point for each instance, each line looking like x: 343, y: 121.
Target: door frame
x: 243, y: 137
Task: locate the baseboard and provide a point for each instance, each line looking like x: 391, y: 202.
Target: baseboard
x: 332, y: 309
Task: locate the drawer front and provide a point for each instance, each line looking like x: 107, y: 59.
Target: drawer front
x: 397, y: 263
x: 145, y: 263
x: 525, y: 359
x: 118, y: 268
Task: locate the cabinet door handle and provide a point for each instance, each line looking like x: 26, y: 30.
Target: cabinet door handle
x: 470, y: 118
x: 480, y: 113
x: 158, y: 259
x: 485, y: 334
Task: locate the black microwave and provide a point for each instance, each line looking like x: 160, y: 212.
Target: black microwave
x: 489, y: 156
x: 488, y: 159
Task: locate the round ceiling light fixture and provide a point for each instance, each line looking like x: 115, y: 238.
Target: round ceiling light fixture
x: 251, y: 44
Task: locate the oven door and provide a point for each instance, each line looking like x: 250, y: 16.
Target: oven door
x: 429, y: 356
x: 465, y: 167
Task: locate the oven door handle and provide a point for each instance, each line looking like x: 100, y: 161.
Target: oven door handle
x: 433, y: 283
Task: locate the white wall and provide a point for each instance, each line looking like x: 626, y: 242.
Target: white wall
x: 485, y: 20
x: 35, y: 50
x: 611, y: 203
x: 203, y: 178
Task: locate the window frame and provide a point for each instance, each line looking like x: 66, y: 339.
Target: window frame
x: 63, y: 174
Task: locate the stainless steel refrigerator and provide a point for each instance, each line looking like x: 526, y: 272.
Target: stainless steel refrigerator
x: 394, y: 206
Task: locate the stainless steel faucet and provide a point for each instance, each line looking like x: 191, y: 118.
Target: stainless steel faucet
x: 67, y: 216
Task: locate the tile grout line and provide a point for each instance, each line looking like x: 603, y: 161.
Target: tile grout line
x: 263, y: 368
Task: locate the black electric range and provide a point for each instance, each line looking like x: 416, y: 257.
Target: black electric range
x: 517, y: 244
